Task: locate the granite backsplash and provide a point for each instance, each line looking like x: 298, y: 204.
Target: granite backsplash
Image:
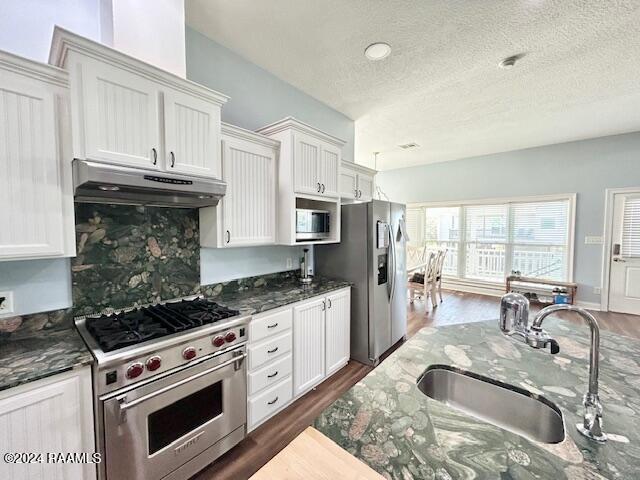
x: 127, y: 256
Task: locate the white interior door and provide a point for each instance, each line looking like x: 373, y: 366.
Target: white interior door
x: 624, y: 282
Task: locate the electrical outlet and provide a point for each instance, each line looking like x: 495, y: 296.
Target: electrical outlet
x: 289, y: 263
x: 597, y: 290
x: 6, y: 305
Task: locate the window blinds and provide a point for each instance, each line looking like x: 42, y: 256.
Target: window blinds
x: 540, y: 223
x: 631, y: 228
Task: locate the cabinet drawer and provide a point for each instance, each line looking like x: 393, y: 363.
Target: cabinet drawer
x: 269, y: 375
x: 267, y: 403
x: 270, y: 324
x: 266, y: 351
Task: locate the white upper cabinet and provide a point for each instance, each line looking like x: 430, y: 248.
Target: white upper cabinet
x: 192, y: 133
x: 246, y: 215
x: 356, y: 182
x: 127, y: 112
x: 329, y: 170
x: 309, y: 160
x: 121, y: 116
x: 36, y: 198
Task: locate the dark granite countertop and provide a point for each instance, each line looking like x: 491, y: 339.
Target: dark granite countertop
x: 262, y: 297
x: 41, y: 355
x: 388, y: 423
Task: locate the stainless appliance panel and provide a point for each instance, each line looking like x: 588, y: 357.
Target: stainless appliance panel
x: 399, y: 299
x: 379, y: 289
x: 96, y: 182
x: 349, y: 261
x: 152, y: 430
x: 312, y: 224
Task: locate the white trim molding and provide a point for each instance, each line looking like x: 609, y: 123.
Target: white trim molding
x: 609, y: 201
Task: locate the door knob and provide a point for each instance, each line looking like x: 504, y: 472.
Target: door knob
x: 619, y: 260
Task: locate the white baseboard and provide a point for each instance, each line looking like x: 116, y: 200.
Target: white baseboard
x: 588, y: 305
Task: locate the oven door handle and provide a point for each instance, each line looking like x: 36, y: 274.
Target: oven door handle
x: 124, y: 405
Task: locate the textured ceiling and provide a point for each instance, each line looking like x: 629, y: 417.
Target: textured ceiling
x: 440, y: 87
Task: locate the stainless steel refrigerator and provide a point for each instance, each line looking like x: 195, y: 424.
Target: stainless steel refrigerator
x: 372, y: 256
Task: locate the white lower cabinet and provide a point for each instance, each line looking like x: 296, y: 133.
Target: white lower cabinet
x: 337, y: 331
x: 53, y: 415
x: 308, y: 345
x: 294, y: 348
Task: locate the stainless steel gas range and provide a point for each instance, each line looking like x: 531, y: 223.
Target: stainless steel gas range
x: 169, y: 387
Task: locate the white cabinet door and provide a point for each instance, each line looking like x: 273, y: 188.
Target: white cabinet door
x: 192, y: 135
x: 365, y: 187
x: 338, y: 327
x: 121, y: 120
x: 31, y: 208
x: 54, y: 415
x: 306, y: 165
x: 329, y: 168
x: 348, y: 183
x: 249, y: 206
x: 308, y: 345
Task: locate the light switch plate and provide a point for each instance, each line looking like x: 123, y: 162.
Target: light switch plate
x: 593, y: 240
x: 6, y: 307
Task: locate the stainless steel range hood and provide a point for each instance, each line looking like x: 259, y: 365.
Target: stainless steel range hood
x: 96, y: 182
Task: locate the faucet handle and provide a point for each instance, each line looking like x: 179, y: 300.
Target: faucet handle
x: 555, y: 347
x: 514, y: 314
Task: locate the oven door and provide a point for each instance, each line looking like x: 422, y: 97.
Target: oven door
x: 154, y: 429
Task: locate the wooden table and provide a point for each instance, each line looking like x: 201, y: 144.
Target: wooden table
x: 312, y: 456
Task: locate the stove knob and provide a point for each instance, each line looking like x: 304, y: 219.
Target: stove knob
x: 189, y: 353
x: 230, y: 337
x: 154, y: 363
x: 135, y: 370
x: 218, y: 341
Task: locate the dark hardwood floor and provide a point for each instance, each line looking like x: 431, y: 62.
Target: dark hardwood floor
x: 266, y: 441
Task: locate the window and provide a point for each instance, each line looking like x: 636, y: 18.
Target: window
x: 631, y: 228
x: 486, y: 242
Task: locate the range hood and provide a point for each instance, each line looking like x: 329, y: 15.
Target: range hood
x: 96, y: 182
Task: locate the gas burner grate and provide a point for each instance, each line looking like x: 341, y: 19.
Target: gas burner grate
x: 128, y: 328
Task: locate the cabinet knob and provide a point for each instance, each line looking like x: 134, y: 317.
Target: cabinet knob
x: 173, y: 159
x: 155, y: 156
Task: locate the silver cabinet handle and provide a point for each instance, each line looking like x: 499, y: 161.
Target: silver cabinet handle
x: 324, y: 305
x: 228, y: 236
x: 360, y: 193
x: 273, y: 401
x: 155, y: 156
x: 273, y: 350
x: 273, y: 325
x: 356, y: 190
x: 124, y: 405
x: 329, y: 302
x: 273, y: 374
x: 323, y: 188
x: 319, y: 187
x: 173, y: 159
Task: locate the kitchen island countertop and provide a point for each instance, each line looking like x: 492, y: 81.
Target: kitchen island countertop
x: 392, y: 426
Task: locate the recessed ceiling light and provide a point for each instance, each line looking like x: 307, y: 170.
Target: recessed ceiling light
x: 377, y: 51
x: 510, y: 62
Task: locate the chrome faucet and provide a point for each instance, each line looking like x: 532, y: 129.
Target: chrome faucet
x: 514, y: 322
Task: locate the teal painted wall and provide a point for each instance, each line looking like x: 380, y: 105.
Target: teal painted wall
x: 585, y: 167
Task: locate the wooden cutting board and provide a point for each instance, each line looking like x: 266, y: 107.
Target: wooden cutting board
x: 312, y: 456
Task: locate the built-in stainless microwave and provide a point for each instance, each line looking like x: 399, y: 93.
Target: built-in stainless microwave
x: 312, y: 224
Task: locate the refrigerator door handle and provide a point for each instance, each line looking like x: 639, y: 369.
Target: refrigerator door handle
x: 391, y: 272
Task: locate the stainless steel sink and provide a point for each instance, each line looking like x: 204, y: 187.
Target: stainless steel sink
x: 500, y: 404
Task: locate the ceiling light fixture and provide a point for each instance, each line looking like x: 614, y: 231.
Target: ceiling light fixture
x: 510, y: 62
x: 377, y: 51
x: 407, y: 146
